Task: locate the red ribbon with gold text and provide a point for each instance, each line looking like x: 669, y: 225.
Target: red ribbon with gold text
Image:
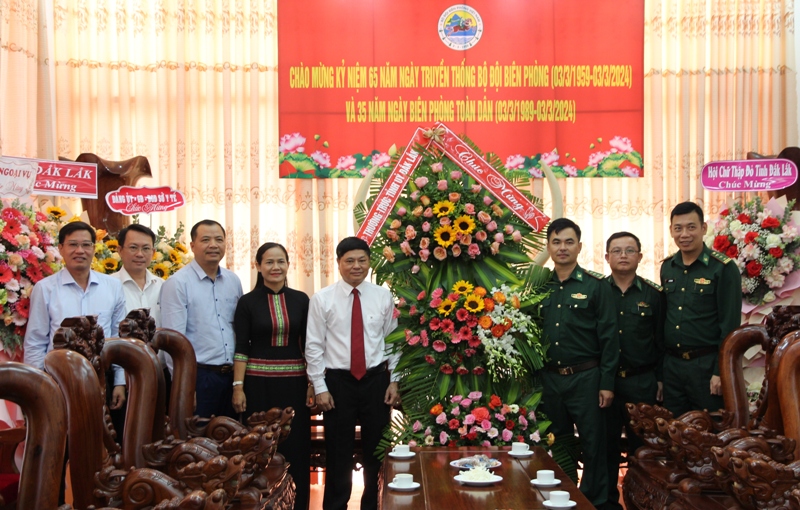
x: 466, y: 158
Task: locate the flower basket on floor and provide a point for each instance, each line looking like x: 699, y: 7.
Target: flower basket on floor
x: 459, y: 262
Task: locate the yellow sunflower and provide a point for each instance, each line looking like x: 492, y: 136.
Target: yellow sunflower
x: 464, y: 224
x: 160, y: 270
x: 112, y: 245
x: 110, y: 265
x: 175, y: 256
x: 445, y: 235
x: 462, y: 287
x: 55, y: 212
x: 444, y: 208
x: 473, y: 303
x: 446, y: 307
x: 180, y: 248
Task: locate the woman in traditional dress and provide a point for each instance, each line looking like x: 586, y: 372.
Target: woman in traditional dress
x: 269, y: 367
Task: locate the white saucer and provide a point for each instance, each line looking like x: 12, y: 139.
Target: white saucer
x: 568, y: 504
x: 414, y: 486
x: 521, y: 455
x: 401, y: 455
x: 537, y: 483
x: 495, y: 478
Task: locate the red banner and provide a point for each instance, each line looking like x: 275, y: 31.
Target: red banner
x: 129, y: 200
x: 66, y: 179
x: 551, y: 82
x: 461, y: 154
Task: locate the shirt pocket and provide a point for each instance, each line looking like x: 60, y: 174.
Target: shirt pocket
x: 702, y: 296
x: 229, y: 308
x: 373, y: 326
x: 643, y: 320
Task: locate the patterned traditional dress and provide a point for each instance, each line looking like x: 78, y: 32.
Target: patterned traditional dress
x: 270, y: 337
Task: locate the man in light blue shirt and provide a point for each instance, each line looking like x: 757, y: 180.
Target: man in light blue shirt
x: 199, y: 301
x: 74, y: 291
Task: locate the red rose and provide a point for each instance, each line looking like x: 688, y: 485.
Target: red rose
x: 510, y: 424
x: 721, y: 243
x: 452, y: 444
x: 753, y: 268
x: 750, y: 237
x: 520, y: 438
x: 495, y: 402
x: 446, y: 369
x: 745, y: 219
x: 776, y: 252
x: 480, y: 413
x: 472, y: 436
x: 770, y: 222
x: 732, y: 251
x: 453, y: 424
x: 724, y: 212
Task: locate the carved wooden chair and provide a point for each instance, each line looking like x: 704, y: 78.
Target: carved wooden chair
x: 9, y: 475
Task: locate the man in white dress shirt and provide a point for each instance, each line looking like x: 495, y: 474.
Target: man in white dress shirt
x: 352, y: 371
x: 141, y: 287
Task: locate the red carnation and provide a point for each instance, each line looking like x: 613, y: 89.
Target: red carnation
x: 770, y: 222
x: 430, y: 359
x: 495, y: 402
x: 753, y: 268
x: 721, y: 243
x: 446, y: 369
x: 744, y: 219
x: 776, y: 252
x: 462, y: 370
x: 750, y: 237
x: 453, y: 424
x: 510, y: 424
x: 732, y: 251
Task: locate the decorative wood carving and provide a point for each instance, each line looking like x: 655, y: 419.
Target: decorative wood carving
x: 43, y: 406
x: 643, y: 421
x: 734, y: 389
x: 184, y: 377
x: 111, y: 175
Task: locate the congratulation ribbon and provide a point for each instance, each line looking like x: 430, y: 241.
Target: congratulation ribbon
x: 466, y: 158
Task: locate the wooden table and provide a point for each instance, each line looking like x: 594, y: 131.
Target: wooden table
x: 431, y: 467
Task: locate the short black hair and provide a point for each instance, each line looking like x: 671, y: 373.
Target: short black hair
x: 350, y: 244
x: 620, y: 235
x: 560, y: 224
x: 260, y: 254
x: 135, y: 227
x: 75, y: 226
x: 208, y: 223
x: 686, y: 208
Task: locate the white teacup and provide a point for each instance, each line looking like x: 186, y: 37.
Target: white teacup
x: 407, y: 480
x: 520, y: 447
x: 546, y: 476
x: 401, y: 449
x: 559, y: 497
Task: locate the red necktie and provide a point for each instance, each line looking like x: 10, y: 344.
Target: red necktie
x: 358, y: 363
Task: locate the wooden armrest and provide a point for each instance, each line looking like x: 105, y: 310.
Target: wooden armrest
x: 9, y: 439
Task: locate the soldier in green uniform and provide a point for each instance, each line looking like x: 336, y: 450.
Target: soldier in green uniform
x: 703, y: 291
x: 639, y: 308
x: 584, y: 355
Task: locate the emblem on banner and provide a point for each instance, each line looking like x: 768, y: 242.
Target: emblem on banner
x: 460, y: 27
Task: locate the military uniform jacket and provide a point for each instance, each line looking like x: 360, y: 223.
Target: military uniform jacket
x: 580, y: 324
x: 704, y: 300
x: 640, y: 323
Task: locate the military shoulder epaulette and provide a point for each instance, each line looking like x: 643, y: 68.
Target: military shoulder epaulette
x: 720, y: 256
x: 597, y: 275
x: 653, y: 284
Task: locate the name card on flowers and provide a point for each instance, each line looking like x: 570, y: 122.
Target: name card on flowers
x: 129, y: 200
x: 749, y: 175
x: 17, y: 176
x: 66, y: 178
x: 466, y: 158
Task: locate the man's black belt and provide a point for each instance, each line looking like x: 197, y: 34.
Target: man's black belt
x: 220, y: 369
x: 630, y: 372
x: 692, y: 353
x: 377, y: 369
x: 574, y: 369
